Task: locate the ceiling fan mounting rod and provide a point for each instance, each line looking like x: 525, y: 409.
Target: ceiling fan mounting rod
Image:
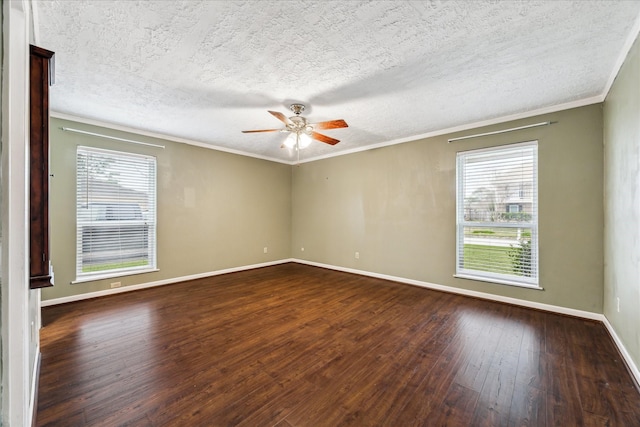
x: 297, y: 108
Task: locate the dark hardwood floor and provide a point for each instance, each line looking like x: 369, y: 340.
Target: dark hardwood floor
x: 294, y: 345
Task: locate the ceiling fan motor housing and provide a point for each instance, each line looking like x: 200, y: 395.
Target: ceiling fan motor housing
x: 298, y: 124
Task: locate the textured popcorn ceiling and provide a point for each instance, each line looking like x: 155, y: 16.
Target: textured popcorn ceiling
x: 205, y: 70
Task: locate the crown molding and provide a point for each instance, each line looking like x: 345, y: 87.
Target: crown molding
x: 475, y: 125
x: 626, y: 48
x: 135, y: 131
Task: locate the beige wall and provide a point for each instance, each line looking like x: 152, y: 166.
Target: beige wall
x: 622, y: 203
x: 396, y: 207
x: 393, y: 205
x: 215, y: 210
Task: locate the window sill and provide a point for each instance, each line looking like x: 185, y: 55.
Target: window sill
x: 112, y: 275
x: 498, y: 281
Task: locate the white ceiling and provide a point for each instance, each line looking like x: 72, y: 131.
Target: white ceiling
x: 205, y: 70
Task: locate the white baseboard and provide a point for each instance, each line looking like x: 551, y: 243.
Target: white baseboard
x: 623, y: 350
x: 529, y: 304
x: 35, y: 376
x: 466, y: 292
x: 450, y: 289
x: 491, y: 297
x: 130, y: 288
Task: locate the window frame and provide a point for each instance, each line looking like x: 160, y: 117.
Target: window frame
x: 148, y: 221
x: 532, y: 282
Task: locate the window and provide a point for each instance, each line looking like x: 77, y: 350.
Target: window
x: 115, y: 213
x: 497, y: 236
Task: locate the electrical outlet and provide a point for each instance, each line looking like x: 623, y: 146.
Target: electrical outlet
x: 618, y: 299
x: 301, y: 249
x: 116, y: 284
x: 357, y: 255
x: 265, y: 250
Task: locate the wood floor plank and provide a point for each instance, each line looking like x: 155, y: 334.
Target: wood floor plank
x: 457, y: 407
x: 495, y: 398
x: 453, y: 349
x: 294, y: 345
x: 562, y: 411
x: 528, y: 406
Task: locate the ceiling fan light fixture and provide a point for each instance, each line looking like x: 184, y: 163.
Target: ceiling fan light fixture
x: 304, y: 141
x: 290, y: 142
x: 297, y: 139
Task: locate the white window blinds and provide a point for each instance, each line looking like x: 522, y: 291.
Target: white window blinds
x: 497, y: 214
x: 115, y: 213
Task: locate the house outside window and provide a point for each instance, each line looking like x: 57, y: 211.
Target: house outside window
x: 497, y: 215
x: 115, y: 213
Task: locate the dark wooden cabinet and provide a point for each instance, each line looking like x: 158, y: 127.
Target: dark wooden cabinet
x: 41, y: 77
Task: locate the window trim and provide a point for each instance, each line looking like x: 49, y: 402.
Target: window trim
x: 152, y: 251
x: 113, y: 275
x: 497, y: 281
x: 498, y: 278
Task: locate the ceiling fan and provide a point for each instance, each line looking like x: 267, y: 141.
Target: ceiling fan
x: 301, y: 132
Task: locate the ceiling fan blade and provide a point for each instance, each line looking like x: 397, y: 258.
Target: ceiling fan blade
x: 324, y: 138
x: 331, y: 124
x: 280, y: 117
x: 261, y: 130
